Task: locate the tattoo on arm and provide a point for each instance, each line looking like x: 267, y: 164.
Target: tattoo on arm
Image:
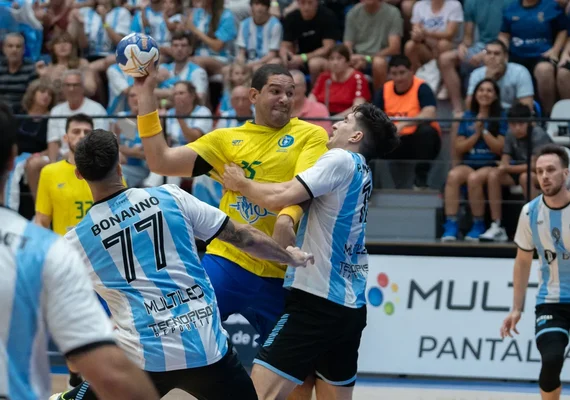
x: 239, y: 236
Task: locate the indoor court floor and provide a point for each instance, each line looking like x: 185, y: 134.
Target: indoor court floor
x: 411, y: 389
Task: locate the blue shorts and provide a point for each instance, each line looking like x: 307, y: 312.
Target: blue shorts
x: 260, y: 300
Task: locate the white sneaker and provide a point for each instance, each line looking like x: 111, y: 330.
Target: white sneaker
x: 495, y: 233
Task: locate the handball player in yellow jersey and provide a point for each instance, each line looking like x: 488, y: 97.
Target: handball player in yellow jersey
x: 273, y: 148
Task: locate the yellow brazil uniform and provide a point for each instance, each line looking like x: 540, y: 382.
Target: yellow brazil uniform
x: 62, y: 196
x: 266, y: 155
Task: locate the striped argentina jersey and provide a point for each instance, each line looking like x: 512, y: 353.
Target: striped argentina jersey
x: 548, y: 231
x: 44, y: 291
x: 259, y: 40
x: 140, y: 251
x: 333, y: 229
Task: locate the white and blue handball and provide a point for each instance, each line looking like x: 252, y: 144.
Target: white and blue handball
x: 135, y: 53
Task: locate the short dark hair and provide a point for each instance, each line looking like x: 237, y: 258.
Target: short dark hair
x: 261, y: 76
x: 78, y: 118
x: 179, y: 35
x: 519, y: 110
x: 266, y: 3
x: 96, y: 155
x: 8, y: 135
x: 380, y: 133
x: 342, y: 50
x: 555, y: 149
x: 500, y: 43
x: 400, y: 60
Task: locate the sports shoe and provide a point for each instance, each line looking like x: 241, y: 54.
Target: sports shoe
x: 495, y: 233
x: 476, y: 230
x: 450, y: 231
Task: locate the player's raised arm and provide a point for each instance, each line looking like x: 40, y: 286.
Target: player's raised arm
x: 161, y: 158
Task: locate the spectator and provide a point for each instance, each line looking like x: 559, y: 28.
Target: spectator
x: 15, y: 72
x: 118, y: 89
x: 241, y: 110
x: 535, y: 32
x: 259, y: 36
x: 373, y: 33
x: 304, y: 107
x: 342, y: 87
x: 155, y: 21
x: 563, y: 72
x: 410, y: 97
x: 480, y: 144
x: 186, y: 130
x: 513, y: 167
x: 435, y: 30
x: 514, y: 80
x: 215, y: 29
x: 64, y: 57
x: 37, y: 103
x: 134, y: 168
x: 239, y: 74
x: 76, y: 103
x: 483, y: 17
x: 182, y: 69
x: 55, y: 18
x: 309, y: 33
x: 239, y: 8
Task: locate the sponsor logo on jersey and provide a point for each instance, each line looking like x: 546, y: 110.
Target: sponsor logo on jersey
x: 286, y: 141
x: 249, y: 212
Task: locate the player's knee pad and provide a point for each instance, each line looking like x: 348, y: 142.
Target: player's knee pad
x: 551, y: 347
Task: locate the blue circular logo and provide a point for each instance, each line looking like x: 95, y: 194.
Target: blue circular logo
x: 286, y: 141
x: 375, y: 297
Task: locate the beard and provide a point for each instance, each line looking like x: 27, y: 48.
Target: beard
x: 553, y: 190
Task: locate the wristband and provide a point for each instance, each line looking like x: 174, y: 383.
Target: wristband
x: 274, y: 4
x: 304, y: 57
x: 368, y: 59
x: 149, y: 125
x: 295, y: 212
x: 105, y: 25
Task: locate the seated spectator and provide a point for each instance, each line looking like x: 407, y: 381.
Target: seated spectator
x: 239, y: 74
x: 182, y: 131
x: 75, y: 103
x: 155, y: 21
x: 406, y: 8
x: 480, y: 144
x: 563, y: 71
x: 241, y: 110
x: 215, y: 29
x: 483, y: 17
x: 535, y: 34
x: 259, y: 36
x: 134, y: 168
x: 182, y: 69
x: 309, y: 33
x: 435, y: 30
x: 55, y: 18
x: 514, y: 80
x: 15, y: 72
x: 373, y: 33
x: 513, y: 167
x: 409, y: 97
x: 37, y: 103
x: 304, y: 107
x: 64, y: 57
x: 343, y: 87
x: 118, y: 89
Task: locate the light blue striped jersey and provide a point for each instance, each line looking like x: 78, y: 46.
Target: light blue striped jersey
x: 226, y: 31
x: 119, y: 19
x: 158, y: 28
x: 191, y: 73
x: 44, y: 291
x: 548, y: 231
x: 119, y: 82
x: 333, y: 229
x: 259, y: 40
x: 139, y: 246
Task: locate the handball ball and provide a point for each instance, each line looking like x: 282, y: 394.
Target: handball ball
x: 135, y: 53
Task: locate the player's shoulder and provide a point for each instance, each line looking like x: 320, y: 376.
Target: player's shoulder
x: 300, y: 128
x: 54, y: 168
x: 38, y: 244
x: 532, y: 205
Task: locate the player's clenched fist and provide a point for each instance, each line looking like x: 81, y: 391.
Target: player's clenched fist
x: 233, y: 177
x: 299, y: 257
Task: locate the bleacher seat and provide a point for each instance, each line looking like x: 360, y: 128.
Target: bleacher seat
x: 561, y: 110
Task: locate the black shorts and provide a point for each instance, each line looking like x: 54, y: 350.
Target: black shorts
x: 552, y: 318
x: 218, y: 381
x: 314, y: 335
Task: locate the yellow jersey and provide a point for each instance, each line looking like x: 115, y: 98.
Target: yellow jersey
x: 62, y: 196
x: 266, y: 155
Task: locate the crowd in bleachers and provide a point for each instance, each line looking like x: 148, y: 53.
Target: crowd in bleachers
x: 488, y: 58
